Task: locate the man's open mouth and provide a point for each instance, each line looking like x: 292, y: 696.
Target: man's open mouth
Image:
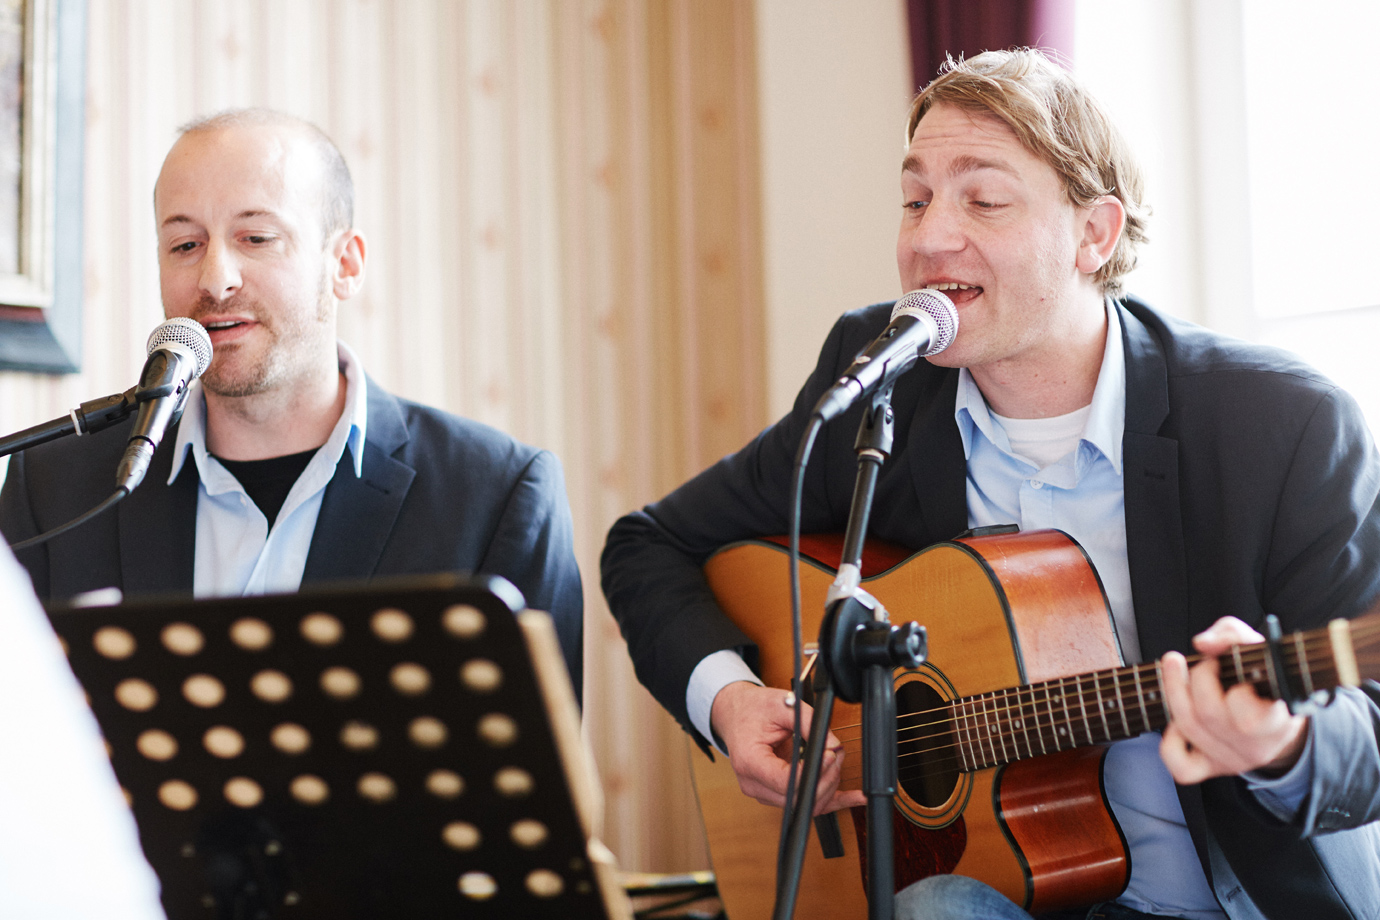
x: 956, y: 291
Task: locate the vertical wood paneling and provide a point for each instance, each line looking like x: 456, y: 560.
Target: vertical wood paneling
x: 560, y: 203
x: 453, y: 227
x: 489, y: 90
x: 654, y: 237
x: 535, y: 269
x: 359, y: 125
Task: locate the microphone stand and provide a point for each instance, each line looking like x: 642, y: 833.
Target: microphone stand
x: 91, y: 416
x: 858, y: 650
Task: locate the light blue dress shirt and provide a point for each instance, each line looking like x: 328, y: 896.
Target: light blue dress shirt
x: 236, y: 552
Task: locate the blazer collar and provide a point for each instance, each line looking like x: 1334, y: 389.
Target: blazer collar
x: 157, y: 529
x: 387, y: 425
x: 1147, y: 375
x: 358, y: 513
x: 157, y: 524
x: 938, y: 468
x: 1154, y: 520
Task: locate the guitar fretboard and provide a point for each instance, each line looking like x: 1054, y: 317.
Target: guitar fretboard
x: 1002, y: 726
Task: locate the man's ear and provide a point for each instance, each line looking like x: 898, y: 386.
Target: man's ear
x: 347, y: 264
x: 1102, y: 226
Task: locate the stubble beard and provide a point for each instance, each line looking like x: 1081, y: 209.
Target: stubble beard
x: 291, y: 338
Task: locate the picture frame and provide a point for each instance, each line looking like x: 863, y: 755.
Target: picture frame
x: 41, y: 207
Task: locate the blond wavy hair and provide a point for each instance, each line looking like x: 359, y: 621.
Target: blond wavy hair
x: 1059, y: 121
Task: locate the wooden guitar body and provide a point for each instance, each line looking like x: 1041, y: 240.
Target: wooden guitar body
x: 1001, y: 611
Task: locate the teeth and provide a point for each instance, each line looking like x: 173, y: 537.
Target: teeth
x: 224, y: 324
x: 950, y: 286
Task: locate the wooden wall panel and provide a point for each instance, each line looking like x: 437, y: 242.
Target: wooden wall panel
x: 561, y: 204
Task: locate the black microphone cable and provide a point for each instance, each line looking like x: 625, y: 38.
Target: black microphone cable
x: 47, y: 535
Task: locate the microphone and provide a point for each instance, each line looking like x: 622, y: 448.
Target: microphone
x: 923, y: 323
x: 179, y: 351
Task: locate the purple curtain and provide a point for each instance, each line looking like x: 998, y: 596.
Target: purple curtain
x: 939, y: 28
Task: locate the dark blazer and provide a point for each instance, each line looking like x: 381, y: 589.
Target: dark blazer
x: 439, y: 494
x: 1251, y: 487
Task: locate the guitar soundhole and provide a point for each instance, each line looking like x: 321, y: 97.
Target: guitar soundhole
x: 926, y: 749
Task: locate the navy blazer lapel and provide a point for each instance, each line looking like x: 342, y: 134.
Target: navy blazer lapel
x: 156, y: 554
x: 1154, y: 519
x: 1154, y: 524
x: 939, y: 471
x: 358, y: 513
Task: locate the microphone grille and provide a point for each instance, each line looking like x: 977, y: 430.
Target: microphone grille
x: 188, y: 333
x: 939, y: 309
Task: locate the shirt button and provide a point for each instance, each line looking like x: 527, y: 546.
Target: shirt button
x: 1036, y: 484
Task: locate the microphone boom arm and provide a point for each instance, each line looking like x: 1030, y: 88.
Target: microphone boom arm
x: 88, y: 418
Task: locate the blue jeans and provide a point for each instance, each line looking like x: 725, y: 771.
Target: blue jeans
x: 956, y: 897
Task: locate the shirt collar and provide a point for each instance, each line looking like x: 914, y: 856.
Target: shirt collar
x: 349, y: 430
x: 1106, y: 420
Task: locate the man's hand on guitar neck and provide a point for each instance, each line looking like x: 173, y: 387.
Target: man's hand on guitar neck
x: 1212, y: 733
x: 754, y: 724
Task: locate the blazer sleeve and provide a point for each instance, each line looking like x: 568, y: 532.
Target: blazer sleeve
x: 18, y: 523
x: 533, y: 546
x: 1325, y: 553
x: 651, y: 564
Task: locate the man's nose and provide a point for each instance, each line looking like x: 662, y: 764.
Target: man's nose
x: 939, y: 229
x: 220, y: 273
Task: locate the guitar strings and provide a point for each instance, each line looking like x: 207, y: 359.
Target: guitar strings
x: 992, y: 743
x: 1121, y: 679
x: 992, y: 749
x: 1027, y: 703
x: 1027, y: 700
x: 1033, y: 713
x: 984, y: 759
x: 1136, y: 723
x: 986, y: 748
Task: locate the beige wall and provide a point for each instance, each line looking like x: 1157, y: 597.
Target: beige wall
x: 564, y: 203
x: 835, y: 88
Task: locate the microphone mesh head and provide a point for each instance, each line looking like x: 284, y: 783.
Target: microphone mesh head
x: 939, y: 309
x: 186, y: 332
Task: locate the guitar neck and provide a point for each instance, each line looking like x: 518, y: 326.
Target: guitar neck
x: 1002, y: 726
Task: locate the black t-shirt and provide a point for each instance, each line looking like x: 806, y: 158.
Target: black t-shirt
x: 268, y: 482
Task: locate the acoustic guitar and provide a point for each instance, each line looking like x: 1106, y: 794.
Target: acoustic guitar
x: 1001, y: 733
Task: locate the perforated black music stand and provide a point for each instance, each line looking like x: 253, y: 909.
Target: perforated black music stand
x: 401, y: 750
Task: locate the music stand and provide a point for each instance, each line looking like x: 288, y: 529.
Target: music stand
x: 405, y: 749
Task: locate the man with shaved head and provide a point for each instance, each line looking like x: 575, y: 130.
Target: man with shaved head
x: 289, y: 466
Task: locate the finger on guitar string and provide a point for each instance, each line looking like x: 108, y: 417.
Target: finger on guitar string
x: 1186, y: 764
x: 1216, y: 732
